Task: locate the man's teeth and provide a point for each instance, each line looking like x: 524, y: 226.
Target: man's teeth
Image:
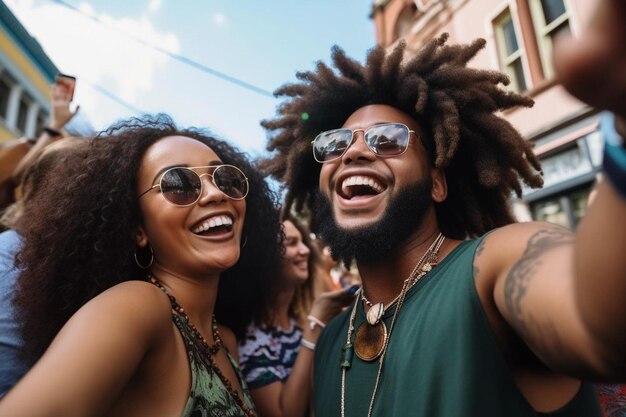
x: 216, y: 221
x: 361, y: 180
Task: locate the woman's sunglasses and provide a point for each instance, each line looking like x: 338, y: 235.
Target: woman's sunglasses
x: 386, y: 139
x: 182, y: 186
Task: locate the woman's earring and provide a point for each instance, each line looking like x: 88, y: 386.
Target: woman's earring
x: 245, y: 241
x: 144, y: 266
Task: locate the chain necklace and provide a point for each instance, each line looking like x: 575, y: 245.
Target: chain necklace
x: 211, y: 350
x: 422, y: 267
x: 428, y: 266
x: 371, y: 335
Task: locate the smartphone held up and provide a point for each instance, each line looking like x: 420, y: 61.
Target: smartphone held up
x: 68, y: 82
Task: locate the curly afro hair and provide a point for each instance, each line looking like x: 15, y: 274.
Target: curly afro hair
x: 484, y: 157
x: 80, y: 233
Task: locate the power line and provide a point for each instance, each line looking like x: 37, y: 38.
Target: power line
x: 112, y: 96
x: 181, y: 58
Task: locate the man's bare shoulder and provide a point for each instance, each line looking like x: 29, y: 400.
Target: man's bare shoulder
x: 506, y: 245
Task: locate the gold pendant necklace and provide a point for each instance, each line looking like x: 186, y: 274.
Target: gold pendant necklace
x: 368, y: 345
x: 371, y: 336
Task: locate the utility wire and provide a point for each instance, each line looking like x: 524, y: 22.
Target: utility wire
x: 113, y: 97
x: 178, y: 57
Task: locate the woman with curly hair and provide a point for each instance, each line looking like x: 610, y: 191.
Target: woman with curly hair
x: 53, y: 157
x: 277, y: 353
x: 122, y: 263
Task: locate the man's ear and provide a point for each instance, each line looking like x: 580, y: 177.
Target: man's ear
x: 141, y: 237
x: 439, y: 192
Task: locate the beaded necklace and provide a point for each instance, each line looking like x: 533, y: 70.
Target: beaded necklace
x: 211, y: 350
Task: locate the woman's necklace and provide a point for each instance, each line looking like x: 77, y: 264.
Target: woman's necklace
x: 373, y: 343
x: 210, y: 349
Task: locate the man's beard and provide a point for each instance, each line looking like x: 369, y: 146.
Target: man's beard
x: 375, y: 242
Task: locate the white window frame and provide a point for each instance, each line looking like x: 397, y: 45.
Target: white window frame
x: 493, y: 31
x: 3, y: 116
x: 10, y: 81
x: 45, y: 117
x: 30, y: 118
x: 543, y: 33
x: 424, y: 5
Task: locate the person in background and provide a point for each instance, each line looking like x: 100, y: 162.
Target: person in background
x: 65, y: 152
x: 18, y: 155
x: 122, y: 258
x: 24, y: 172
x: 61, y: 114
x: 333, y: 274
x: 321, y: 262
x: 277, y: 352
x: 612, y: 399
x: 10, y: 155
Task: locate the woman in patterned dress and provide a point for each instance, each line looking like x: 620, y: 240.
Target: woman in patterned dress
x: 277, y: 352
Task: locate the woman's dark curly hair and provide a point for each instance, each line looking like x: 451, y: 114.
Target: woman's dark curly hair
x: 484, y: 157
x: 80, y: 234
x: 36, y: 175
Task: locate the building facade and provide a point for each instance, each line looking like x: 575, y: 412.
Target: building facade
x: 26, y: 74
x: 520, y: 35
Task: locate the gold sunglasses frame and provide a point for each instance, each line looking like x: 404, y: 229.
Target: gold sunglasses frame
x: 216, y: 167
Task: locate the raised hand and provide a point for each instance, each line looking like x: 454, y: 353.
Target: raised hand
x: 60, y: 106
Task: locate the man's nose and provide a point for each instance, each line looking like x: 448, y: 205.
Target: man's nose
x: 358, y: 149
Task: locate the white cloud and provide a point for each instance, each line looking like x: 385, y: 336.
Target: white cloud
x: 98, y: 54
x: 155, y: 6
x: 219, y: 18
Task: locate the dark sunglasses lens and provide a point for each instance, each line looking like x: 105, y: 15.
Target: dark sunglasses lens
x: 231, y: 182
x: 388, y: 139
x: 331, y: 144
x: 181, y: 186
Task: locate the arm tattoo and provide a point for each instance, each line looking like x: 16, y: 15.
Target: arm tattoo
x: 524, y: 269
x: 479, y: 251
x: 480, y: 248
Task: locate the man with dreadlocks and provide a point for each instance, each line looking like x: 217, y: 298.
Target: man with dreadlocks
x: 411, y: 168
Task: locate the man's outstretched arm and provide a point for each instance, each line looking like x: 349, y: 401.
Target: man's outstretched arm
x: 565, y: 293
x: 593, y: 68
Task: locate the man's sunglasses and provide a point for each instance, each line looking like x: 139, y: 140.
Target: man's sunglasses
x: 182, y: 186
x: 386, y: 139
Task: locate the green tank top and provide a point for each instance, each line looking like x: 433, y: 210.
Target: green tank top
x: 442, y: 360
x: 208, y: 396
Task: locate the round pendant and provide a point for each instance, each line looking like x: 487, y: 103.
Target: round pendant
x: 369, y: 341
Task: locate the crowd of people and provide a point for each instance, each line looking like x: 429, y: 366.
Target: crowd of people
x: 150, y: 269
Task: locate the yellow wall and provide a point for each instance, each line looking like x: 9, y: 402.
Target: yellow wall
x: 27, y: 68
x: 5, y: 134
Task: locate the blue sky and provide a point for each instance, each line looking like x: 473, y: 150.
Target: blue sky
x: 262, y: 43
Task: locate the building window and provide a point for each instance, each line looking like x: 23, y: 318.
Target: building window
x: 405, y: 21
x: 566, y: 209
x: 510, y: 52
x: 42, y: 121
x: 22, y: 113
x: 550, y: 18
x: 5, y: 91
x: 423, y: 5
